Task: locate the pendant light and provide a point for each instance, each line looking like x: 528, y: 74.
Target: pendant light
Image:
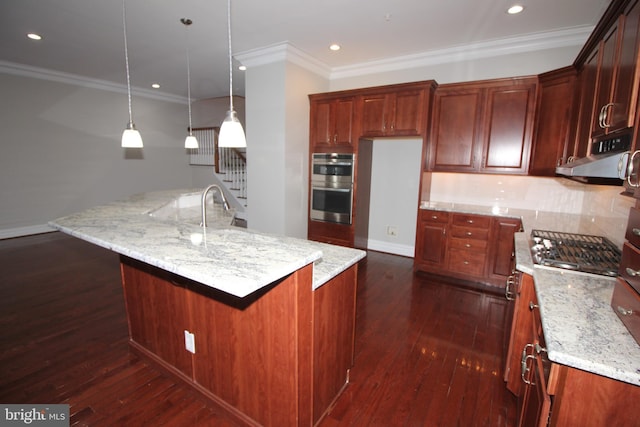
x: 231, y: 132
x: 130, y: 137
x: 190, y: 141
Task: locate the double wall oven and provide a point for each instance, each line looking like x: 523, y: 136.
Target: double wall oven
x: 332, y: 187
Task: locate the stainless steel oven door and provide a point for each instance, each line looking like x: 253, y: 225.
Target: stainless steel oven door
x: 333, y: 169
x: 331, y: 204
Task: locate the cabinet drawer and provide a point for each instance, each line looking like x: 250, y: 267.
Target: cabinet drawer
x: 440, y: 217
x: 466, y: 262
x: 468, y: 244
x: 626, y: 304
x: 633, y: 227
x: 469, y: 233
x: 630, y: 265
x: 469, y: 220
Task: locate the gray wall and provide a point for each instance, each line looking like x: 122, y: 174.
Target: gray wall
x: 60, y: 150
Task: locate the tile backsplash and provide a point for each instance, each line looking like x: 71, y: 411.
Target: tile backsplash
x: 601, y: 205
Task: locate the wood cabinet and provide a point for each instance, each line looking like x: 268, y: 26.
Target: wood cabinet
x: 332, y: 123
x: 476, y: 248
x: 398, y: 110
x: 554, y: 394
x: 278, y: 357
x: 552, y: 143
x: 483, y: 126
x: 608, y: 75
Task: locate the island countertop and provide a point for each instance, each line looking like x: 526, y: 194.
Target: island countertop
x: 231, y: 259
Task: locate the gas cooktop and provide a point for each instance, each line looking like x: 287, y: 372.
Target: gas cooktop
x: 576, y: 252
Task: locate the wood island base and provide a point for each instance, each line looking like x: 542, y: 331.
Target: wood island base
x: 278, y: 357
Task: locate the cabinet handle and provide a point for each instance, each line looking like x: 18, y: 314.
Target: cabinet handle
x: 466, y: 262
x: 636, y: 231
x: 434, y: 216
x: 470, y: 221
x: 523, y: 363
x: 532, y: 305
x: 601, y: 117
x: 467, y: 245
x: 621, y: 168
x: 508, y: 293
x: 631, y: 272
x: 624, y: 311
x: 469, y: 233
x: 605, y: 118
x: 630, y: 170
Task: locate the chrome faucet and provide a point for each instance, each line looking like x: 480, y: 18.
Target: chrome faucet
x: 204, y: 201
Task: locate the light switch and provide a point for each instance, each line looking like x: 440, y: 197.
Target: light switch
x: 190, y: 342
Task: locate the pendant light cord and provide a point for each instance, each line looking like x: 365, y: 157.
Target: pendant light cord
x: 230, y: 62
x: 186, y: 23
x: 126, y: 58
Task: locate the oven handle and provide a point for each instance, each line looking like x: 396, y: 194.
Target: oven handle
x: 336, y: 189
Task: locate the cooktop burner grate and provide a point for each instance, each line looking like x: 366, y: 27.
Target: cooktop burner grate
x: 579, y: 252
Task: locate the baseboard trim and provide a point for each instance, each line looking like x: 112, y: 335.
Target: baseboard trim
x: 10, y: 233
x: 391, y: 248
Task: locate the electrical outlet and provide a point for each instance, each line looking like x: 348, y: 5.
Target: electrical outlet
x: 392, y: 230
x: 190, y: 342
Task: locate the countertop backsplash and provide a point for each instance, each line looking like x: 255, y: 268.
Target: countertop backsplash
x: 603, y: 206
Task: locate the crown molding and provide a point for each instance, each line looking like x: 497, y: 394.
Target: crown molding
x: 575, y: 36
x: 77, y: 80
x: 283, y: 52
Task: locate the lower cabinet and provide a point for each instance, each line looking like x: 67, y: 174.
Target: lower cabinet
x: 476, y: 248
x: 278, y: 357
x: 553, y: 394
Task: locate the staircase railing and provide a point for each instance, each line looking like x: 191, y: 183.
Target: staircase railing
x: 230, y: 164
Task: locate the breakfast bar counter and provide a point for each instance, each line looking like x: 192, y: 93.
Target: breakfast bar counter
x: 262, y: 325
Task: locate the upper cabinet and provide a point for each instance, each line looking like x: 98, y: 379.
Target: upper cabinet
x: 608, y: 78
x: 483, y: 126
x: 552, y: 142
x: 332, y: 123
x: 397, y: 110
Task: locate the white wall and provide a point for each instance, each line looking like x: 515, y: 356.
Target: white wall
x: 60, y: 150
x: 395, y: 180
x: 277, y: 109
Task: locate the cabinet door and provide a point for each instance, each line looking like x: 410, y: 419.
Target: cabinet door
x: 588, y: 78
x: 625, y: 92
x: 331, y: 123
x: 536, y: 403
x: 157, y: 313
x: 502, y: 247
x: 606, y: 74
x: 508, y: 129
x: 455, y: 130
x: 521, y: 328
x: 374, y: 111
x: 432, y: 246
x: 408, y: 113
x: 551, y: 146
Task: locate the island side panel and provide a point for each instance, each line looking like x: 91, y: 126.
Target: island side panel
x: 156, y: 312
x: 254, y: 353
x: 333, y: 340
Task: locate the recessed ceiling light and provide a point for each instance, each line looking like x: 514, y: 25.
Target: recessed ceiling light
x: 516, y: 8
x: 34, y: 36
x: 334, y: 47
x: 155, y: 85
x: 242, y: 67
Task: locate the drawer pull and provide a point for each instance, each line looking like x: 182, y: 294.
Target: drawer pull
x: 631, y: 272
x: 636, y: 231
x: 467, y: 245
x: 469, y: 233
x: 625, y: 312
x: 434, y: 216
x: 470, y: 221
x: 532, y: 305
x: 466, y: 262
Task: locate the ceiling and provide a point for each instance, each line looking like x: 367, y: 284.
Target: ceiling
x: 85, y: 38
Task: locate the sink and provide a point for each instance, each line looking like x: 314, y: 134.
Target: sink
x: 187, y: 208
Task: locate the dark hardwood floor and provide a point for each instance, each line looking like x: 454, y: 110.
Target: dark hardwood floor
x: 427, y: 353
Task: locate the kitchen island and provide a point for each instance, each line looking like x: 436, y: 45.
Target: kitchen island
x: 262, y: 325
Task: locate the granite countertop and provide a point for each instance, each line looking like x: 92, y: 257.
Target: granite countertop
x: 150, y: 228
x: 580, y: 328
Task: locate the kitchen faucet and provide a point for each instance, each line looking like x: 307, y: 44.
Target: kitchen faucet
x: 204, y: 200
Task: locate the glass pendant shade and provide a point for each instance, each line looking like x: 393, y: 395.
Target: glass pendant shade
x: 190, y: 142
x: 231, y: 132
x: 131, y: 137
